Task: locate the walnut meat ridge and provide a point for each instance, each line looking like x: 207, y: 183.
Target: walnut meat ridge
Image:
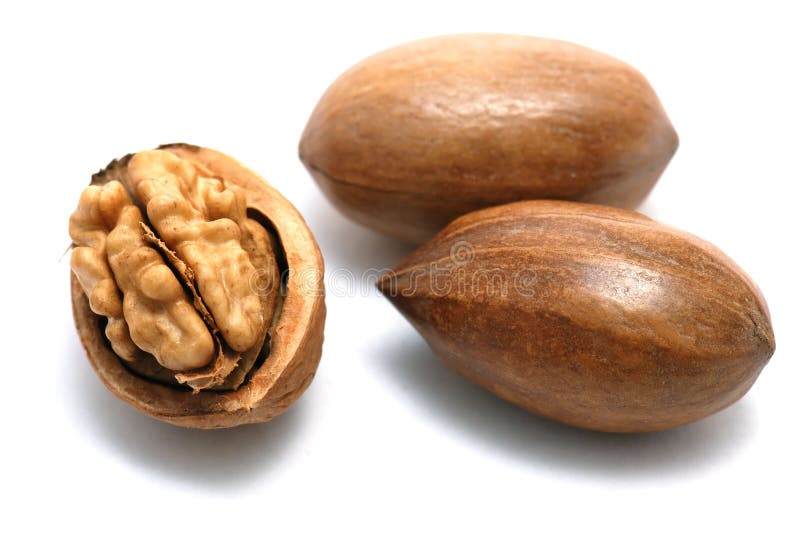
x: 597, y: 317
x: 196, y: 288
x: 414, y: 136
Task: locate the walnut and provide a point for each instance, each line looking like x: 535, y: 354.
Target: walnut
x: 197, y: 288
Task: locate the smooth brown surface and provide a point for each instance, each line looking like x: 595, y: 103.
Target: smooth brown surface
x: 414, y: 136
x: 296, y: 332
x: 593, y: 316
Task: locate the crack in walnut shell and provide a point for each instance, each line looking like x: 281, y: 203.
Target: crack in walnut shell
x: 190, y: 292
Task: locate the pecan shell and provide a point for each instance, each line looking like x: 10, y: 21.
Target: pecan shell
x: 414, y: 136
x: 597, y: 317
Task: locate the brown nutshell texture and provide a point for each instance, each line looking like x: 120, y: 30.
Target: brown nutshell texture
x: 279, y: 331
x: 597, y: 317
x: 414, y: 136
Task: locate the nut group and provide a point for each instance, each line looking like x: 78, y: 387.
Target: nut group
x: 197, y: 288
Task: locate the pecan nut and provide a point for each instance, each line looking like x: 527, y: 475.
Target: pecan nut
x: 417, y: 135
x: 593, y: 316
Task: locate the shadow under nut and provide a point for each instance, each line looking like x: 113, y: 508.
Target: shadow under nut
x: 414, y: 136
x: 597, y: 317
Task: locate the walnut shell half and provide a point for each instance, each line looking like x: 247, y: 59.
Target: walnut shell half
x: 197, y: 288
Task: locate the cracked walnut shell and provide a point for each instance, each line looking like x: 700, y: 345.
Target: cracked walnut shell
x: 197, y: 289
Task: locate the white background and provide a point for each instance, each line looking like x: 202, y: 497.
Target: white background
x: 386, y: 439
